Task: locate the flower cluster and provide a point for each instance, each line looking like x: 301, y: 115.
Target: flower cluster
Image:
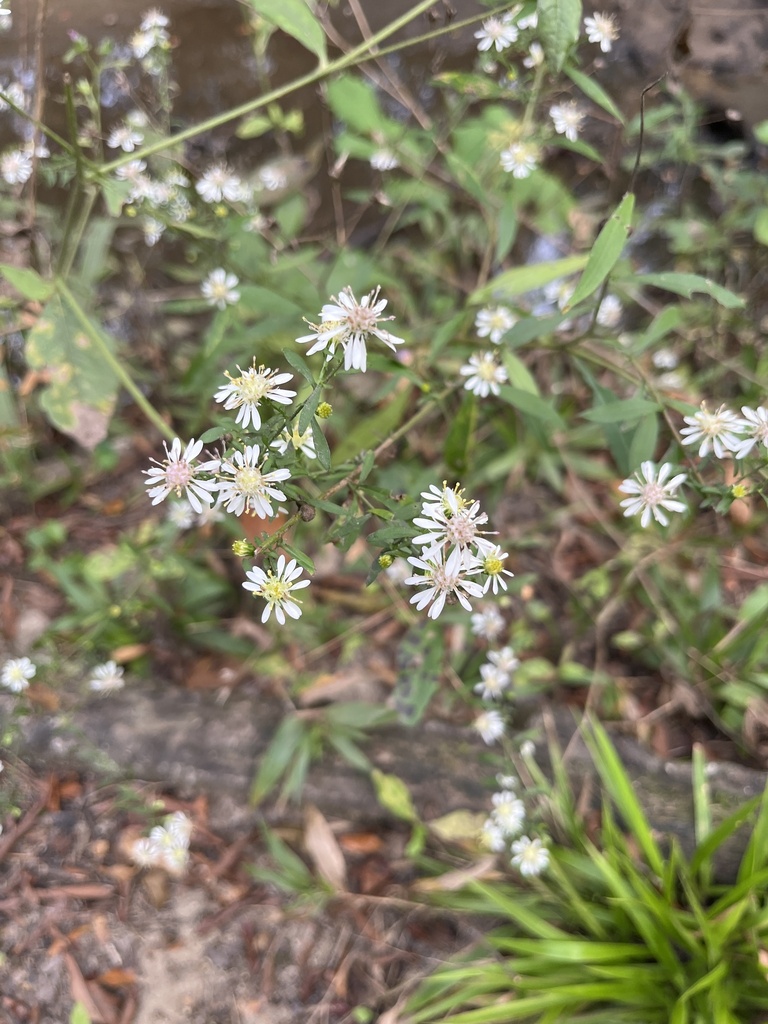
x: 151, y: 43
x: 506, y: 821
x: 726, y: 433
x: 166, y: 846
x: 454, y: 548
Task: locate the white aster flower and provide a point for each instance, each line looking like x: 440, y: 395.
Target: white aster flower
x: 180, y: 515
x: 651, y: 493
x: 169, y: 850
x: 349, y: 323
x: 568, y: 117
x: 179, y: 473
x: 133, y: 172
x: 125, y: 137
x: 492, y: 836
x: 484, y: 375
x: 250, y: 490
x: 527, y: 749
x: 277, y: 588
x: 153, y: 230
x: 717, y: 430
x: 535, y: 56
x: 665, y: 359
x: 559, y: 292
x: 507, y: 781
x: 609, y: 313
x: 496, y: 32
x: 602, y: 29
x: 384, y: 160
x: 107, y: 678
x: 490, y: 725
x: 494, y: 322
x: 220, y: 288
x: 494, y: 682
x: 272, y: 177
x: 529, y: 21
x: 451, y: 525
x: 504, y: 659
x: 246, y: 392
x: 488, y: 623
x: 179, y: 826
x: 529, y: 856
x: 143, y: 42
x: 301, y: 442
x: 508, y: 812
x: 444, y: 579
x: 153, y: 19
x: 16, y: 673
x: 219, y: 182
x: 520, y: 159
x: 143, y: 852
x: 15, y: 166
x: 755, y: 425
x: 492, y: 564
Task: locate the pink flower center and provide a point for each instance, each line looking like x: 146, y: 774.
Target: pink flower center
x: 178, y: 474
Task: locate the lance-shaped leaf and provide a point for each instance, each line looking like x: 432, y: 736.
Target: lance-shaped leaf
x: 559, y: 24
x: 605, y: 252
x: 295, y: 19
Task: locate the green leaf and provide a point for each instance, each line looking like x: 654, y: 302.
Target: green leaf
x: 322, y: 450
x: 355, y: 103
x: 624, y: 410
x: 605, y: 252
x: 761, y: 132
x: 254, y: 126
x: 308, y: 409
x: 419, y: 665
x: 519, y: 374
x: 287, y: 741
x: 687, y: 284
x: 531, y: 405
x: 9, y: 417
x: 459, y: 438
x: 594, y: 91
x: 369, y: 430
x: 524, y: 279
x: 666, y: 321
x: 79, y: 1015
x: 81, y: 395
x: 558, y: 29
x: 643, y: 444
x: 295, y: 361
x: 394, y: 796
x: 27, y: 282
x: 115, y: 195
x: 304, y: 560
x: 213, y: 434
x: 295, y: 19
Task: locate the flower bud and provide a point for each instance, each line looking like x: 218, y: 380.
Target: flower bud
x: 325, y: 410
x: 243, y: 548
x: 385, y: 561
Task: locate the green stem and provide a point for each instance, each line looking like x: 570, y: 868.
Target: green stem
x: 113, y: 362
x: 73, y: 236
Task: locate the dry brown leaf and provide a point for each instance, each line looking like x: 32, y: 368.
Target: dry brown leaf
x: 129, y: 652
x: 453, y: 880
x: 116, y: 977
x: 324, y: 850
x: 361, y: 842
x: 82, y: 993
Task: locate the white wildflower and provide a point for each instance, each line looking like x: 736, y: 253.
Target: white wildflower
x: 529, y: 21
x: 246, y: 393
x: 179, y: 826
x: 651, y: 493
x: 444, y: 579
x: 153, y: 230
x: 602, y: 29
x: 300, y: 442
x: 250, y: 490
x: 665, y: 359
x: 520, y: 159
x: 496, y: 32
x: 277, y: 587
x: 107, y: 678
x: 180, y: 515
x: 384, y: 160
x: 492, y: 836
x: 493, y: 684
x: 454, y: 522
x: 494, y: 322
x: 16, y: 673
x: 219, y: 182
x: 349, y: 323
x: 488, y: 623
x: 272, y: 177
x: 484, y: 375
x: 15, y: 166
x: 529, y: 856
x: 179, y: 473
x: 535, y: 56
x: 153, y: 19
x: 125, y: 137
x: 568, y: 117
x: 220, y: 288
x: 718, y: 430
x: 490, y: 725
x: 609, y: 313
x: 527, y: 749
x: 755, y: 426
x: 492, y: 564
x: 505, y: 659
x: 508, y: 812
